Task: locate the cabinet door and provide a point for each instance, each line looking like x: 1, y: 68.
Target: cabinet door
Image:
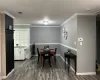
x: 17, y: 53
x: 22, y: 54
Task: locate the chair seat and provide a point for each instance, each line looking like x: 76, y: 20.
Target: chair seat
x: 52, y: 51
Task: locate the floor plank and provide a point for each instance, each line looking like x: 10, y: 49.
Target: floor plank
x: 30, y: 70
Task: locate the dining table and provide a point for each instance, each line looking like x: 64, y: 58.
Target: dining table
x: 52, y: 52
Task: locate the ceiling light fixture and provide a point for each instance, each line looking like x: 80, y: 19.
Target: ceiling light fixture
x: 45, y: 22
x: 88, y: 9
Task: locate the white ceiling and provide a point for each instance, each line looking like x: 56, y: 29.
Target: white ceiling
x: 57, y: 11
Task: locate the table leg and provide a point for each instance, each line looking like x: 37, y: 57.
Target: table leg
x: 55, y: 58
x: 65, y: 62
x: 40, y: 59
x: 68, y: 64
x: 75, y: 65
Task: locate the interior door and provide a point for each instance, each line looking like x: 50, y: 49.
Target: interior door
x: 98, y: 37
x: 9, y: 43
x: 9, y: 51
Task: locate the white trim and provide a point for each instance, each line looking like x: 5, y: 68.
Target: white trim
x: 75, y: 16
x: 22, y: 24
x: 10, y: 72
x: 85, y: 14
x: 47, y: 43
x: 56, y: 55
x: 95, y: 13
x: 86, y: 73
x: 68, y: 19
x: 69, y: 47
x: 4, y: 77
x: 67, y: 63
x: 44, y: 26
x: 5, y: 12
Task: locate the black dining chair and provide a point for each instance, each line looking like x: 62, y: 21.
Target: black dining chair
x: 55, y: 55
x: 46, y: 55
x: 47, y: 46
x: 38, y: 55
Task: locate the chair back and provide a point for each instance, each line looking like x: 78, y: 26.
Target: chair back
x: 47, y: 46
x: 69, y: 51
x: 55, y: 50
x: 46, y: 53
x: 38, y: 51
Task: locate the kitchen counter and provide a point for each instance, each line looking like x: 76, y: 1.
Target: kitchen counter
x: 19, y: 46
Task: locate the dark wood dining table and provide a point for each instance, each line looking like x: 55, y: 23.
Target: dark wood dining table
x: 52, y: 52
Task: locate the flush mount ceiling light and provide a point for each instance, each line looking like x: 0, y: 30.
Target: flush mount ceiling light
x: 45, y: 22
x: 88, y: 9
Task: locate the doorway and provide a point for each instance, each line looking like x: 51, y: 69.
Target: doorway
x: 98, y: 42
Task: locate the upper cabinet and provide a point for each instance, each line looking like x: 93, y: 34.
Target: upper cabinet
x: 22, y: 36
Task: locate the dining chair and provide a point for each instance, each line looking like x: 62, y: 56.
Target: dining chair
x: 46, y: 55
x: 38, y: 55
x: 55, y: 55
x: 47, y: 46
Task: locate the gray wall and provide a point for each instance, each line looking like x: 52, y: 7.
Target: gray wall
x: 83, y: 26
x: 71, y: 26
x: 86, y: 55
x: 45, y: 35
x: 80, y: 26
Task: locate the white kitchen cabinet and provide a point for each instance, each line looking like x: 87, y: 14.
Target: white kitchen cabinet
x: 19, y: 53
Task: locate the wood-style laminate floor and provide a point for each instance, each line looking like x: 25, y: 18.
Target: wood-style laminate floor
x: 30, y: 70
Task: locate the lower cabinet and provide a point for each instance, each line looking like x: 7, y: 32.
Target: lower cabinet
x: 19, y: 54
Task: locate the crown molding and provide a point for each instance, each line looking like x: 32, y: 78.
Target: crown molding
x: 5, y: 12
x: 22, y: 24
x: 75, y: 15
x: 85, y: 14
x: 68, y: 19
x: 44, y: 26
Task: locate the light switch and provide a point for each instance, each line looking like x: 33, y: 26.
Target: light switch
x: 75, y: 42
x: 81, y: 43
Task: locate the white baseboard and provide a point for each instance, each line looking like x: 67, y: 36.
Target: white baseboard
x: 68, y: 47
x: 4, y: 77
x: 57, y: 54
x: 86, y: 73
x: 67, y: 63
